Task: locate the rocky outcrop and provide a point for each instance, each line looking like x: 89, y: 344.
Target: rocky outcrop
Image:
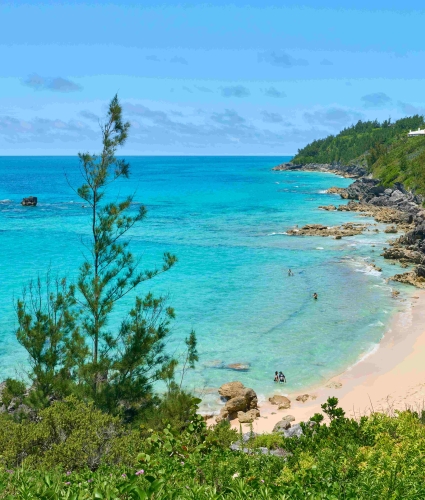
x: 387, y: 215
x: 352, y: 171
x: 238, y: 399
x: 336, y: 190
x: 375, y: 267
x: 305, y: 397
x: 231, y: 389
x: 284, y: 424
x: 348, y: 229
x: 282, y: 401
x: 416, y: 277
x: 369, y: 192
x: 31, y: 201
x: 403, y: 254
x: 396, y: 206
x: 248, y: 416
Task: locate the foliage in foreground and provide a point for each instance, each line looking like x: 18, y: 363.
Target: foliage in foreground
x: 376, y: 457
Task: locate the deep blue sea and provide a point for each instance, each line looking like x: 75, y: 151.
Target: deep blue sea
x: 225, y: 218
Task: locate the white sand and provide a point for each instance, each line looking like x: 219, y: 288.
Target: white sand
x: 391, y: 378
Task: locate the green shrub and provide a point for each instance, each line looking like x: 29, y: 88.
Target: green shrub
x: 174, y: 408
x: 70, y: 435
x: 374, y: 457
x: 13, y: 389
x: 222, y: 435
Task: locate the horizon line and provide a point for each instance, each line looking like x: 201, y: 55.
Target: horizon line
x: 146, y: 156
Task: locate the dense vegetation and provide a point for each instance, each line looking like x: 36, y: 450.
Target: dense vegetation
x: 383, y: 148
x: 75, y: 451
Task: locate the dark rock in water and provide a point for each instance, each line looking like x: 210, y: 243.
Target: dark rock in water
x: 31, y: 201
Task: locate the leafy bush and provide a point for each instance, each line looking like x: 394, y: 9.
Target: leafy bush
x: 68, y: 434
x: 174, y: 408
x: 375, y: 457
x: 12, y: 389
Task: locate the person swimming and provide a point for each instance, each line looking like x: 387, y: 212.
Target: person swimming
x: 282, y: 378
x: 315, y: 297
x: 276, y: 377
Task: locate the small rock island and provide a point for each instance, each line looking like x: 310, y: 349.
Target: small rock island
x: 31, y: 201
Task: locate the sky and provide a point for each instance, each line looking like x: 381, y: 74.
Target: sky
x: 246, y: 77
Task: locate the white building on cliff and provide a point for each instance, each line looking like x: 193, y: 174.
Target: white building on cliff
x: 416, y: 132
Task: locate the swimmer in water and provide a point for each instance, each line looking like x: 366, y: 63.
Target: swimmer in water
x: 315, y: 296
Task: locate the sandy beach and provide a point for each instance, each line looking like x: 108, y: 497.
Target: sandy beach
x: 391, y: 378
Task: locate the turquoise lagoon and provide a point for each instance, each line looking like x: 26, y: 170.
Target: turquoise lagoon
x: 225, y: 218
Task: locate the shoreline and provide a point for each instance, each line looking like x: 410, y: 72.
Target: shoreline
x: 390, y: 378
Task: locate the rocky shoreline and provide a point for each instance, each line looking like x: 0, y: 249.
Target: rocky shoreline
x: 396, y: 206
x: 351, y: 171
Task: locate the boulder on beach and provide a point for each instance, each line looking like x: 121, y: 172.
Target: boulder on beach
x: 249, y: 416
x: 334, y: 385
x: 231, y: 389
x: 284, y: 424
x: 236, y: 404
x: 282, y: 401
x: 238, y: 399
x: 31, y: 201
x: 304, y: 397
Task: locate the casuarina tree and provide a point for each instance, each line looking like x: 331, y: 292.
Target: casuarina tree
x: 110, y: 272
x: 117, y: 364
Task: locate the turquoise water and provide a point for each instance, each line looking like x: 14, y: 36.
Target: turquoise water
x: 225, y: 218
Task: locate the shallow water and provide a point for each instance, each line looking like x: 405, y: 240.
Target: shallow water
x: 225, y: 218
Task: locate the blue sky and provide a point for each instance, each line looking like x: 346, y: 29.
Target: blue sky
x: 240, y: 78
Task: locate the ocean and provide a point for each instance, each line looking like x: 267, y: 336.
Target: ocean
x: 225, y: 218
